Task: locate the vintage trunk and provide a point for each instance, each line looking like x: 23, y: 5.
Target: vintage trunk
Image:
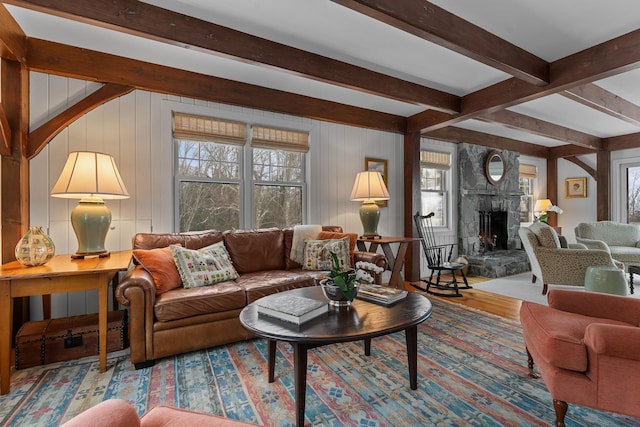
x: 57, y: 340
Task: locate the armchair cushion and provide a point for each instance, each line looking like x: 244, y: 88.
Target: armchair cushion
x: 547, y: 236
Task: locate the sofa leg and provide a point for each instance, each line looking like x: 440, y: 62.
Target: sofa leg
x: 561, y: 410
x: 145, y: 364
x: 533, y: 278
x: 530, y: 362
x: 544, y: 289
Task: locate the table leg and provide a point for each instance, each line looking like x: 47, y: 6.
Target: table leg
x: 6, y: 318
x: 271, y: 359
x: 396, y: 263
x: 367, y: 347
x: 103, y: 309
x: 411, y: 336
x: 300, y: 369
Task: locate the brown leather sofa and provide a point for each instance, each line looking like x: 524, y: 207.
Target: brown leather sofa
x: 182, y: 320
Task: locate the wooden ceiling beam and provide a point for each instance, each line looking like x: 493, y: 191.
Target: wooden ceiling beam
x: 436, y: 25
x: 593, y: 96
x: 151, y: 22
x: 457, y: 135
x: 609, y: 58
x: 588, y: 169
x: 564, y: 151
x: 13, y: 41
x: 38, y: 138
x: 622, y: 142
x: 54, y: 58
x: 520, y: 122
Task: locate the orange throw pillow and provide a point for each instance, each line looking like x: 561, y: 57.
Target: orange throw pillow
x: 353, y: 238
x: 160, y: 264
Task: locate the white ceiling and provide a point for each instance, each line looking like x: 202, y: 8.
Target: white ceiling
x: 550, y: 29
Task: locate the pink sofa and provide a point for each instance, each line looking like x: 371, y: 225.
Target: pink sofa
x: 119, y: 413
x: 587, y: 348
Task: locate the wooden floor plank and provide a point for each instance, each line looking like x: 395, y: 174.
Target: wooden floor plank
x: 499, y: 305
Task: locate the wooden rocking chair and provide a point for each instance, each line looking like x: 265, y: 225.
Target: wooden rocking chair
x: 439, y: 260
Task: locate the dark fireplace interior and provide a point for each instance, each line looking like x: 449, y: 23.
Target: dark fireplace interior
x: 493, y: 231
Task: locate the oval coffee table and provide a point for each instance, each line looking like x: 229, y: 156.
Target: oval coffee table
x: 362, y: 321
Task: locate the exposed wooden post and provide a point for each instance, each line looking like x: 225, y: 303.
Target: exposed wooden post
x: 603, y: 204
x: 14, y: 176
x: 552, y: 187
x: 411, y: 203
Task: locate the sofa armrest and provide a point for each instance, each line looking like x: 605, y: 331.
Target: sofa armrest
x: 595, y: 304
x: 374, y: 258
x: 137, y: 290
x: 167, y: 416
x: 593, y: 244
x: 613, y: 340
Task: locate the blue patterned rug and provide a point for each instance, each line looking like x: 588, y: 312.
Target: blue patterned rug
x: 471, y: 371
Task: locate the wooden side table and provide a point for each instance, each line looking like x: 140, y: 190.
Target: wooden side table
x: 395, y: 261
x: 60, y: 275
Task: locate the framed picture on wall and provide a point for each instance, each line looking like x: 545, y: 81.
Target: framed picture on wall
x: 378, y: 165
x: 575, y: 187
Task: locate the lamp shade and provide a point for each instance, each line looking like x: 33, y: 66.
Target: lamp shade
x: 542, y: 205
x: 90, y: 174
x: 369, y: 186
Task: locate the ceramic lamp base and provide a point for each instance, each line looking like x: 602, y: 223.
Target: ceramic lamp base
x: 369, y: 216
x: 91, y: 219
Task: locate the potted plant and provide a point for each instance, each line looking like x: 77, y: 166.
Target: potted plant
x: 341, y: 285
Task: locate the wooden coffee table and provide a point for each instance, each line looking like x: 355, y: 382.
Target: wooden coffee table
x: 362, y: 321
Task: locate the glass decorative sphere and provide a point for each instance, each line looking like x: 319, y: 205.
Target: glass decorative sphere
x: 35, y: 247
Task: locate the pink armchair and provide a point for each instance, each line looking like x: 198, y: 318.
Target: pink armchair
x: 587, y: 348
x: 119, y: 413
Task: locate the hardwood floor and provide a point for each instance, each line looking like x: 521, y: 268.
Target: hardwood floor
x: 485, y: 301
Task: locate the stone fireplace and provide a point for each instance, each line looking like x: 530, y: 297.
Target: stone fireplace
x: 489, y: 215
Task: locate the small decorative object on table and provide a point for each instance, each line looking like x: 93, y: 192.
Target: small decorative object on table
x: 341, y: 287
x: 35, y: 247
x: 380, y: 294
x: 291, y: 308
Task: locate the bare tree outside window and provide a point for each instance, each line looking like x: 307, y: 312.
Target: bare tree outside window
x: 633, y: 194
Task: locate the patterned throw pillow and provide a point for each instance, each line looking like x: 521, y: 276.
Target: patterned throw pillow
x: 204, y: 266
x: 317, y: 253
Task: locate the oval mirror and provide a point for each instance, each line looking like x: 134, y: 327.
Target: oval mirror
x: 495, y: 167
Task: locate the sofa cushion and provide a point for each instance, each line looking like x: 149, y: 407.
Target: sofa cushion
x: 262, y: 283
x: 205, y: 266
x: 160, y: 264
x: 191, y: 239
x: 317, y: 253
x: 558, y: 335
x: 184, y: 303
x: 353, y: 239
x: 255, y: 250
x: 547, y: 236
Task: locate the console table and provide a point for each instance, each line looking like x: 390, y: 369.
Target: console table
x: 60, y: 275
x: 395, y: 261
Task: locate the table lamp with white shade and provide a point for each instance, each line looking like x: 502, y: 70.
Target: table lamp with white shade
x: 369, y: 187
x: 92, y: 178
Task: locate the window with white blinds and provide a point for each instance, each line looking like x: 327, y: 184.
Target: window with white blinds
x: 214, y: 188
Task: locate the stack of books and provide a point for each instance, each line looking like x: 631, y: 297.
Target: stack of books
x: 380, y: 294
x: 291, y: 308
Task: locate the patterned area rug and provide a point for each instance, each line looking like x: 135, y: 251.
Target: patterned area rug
x: 471, y: 371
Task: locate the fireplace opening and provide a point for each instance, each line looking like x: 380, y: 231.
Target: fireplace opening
x: 493, y: 231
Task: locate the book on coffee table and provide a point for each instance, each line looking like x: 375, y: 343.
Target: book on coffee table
x: 380, y: 294
x: 291, y: 308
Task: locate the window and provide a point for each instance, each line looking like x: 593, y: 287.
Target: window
x: 214, y: 189
x: 434, y: 172
x: 633, y: 194
x: 528, y: 175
